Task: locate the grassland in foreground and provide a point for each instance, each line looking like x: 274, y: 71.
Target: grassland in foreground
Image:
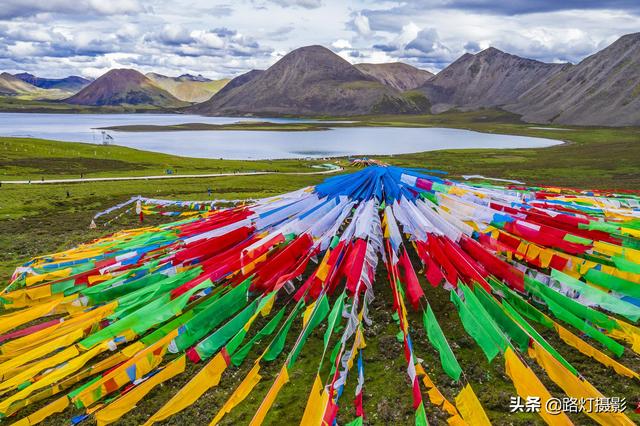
x: 37, y: 219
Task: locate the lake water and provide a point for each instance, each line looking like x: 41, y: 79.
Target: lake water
x: 253, y: 145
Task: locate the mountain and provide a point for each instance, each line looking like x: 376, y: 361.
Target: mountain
x: 603, y: 89
x: 15, y: 87
x: 71, y: 84
x: 487, y: 79
x: 240, y: 80
x: 398, y: 75
x: 190, y: 77
x: 311, y: 80
x: 124, y: 87
x: 187, y: 87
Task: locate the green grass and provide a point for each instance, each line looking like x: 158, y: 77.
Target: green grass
x: 38, y: 219
x: 25, y: 158
x: 18, y: 104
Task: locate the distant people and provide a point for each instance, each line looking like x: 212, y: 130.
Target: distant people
x: 81, y: 175
x: 209, y: 192
x: 68, y: 194
x: 42, y: 179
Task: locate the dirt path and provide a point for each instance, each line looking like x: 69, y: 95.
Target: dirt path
x: 208, y: 175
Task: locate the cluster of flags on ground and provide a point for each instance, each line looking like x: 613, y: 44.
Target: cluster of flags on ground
x: 100, y: 325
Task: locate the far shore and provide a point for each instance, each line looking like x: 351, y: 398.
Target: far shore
x: 246, y: 126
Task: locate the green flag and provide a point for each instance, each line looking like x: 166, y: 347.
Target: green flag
x: 238, y: 356
x: 510, y: 327
x: 582, y: 325
x: 628, y: 288
x: 276, y: 346
x: 439, y: 341
x: 475, y: 329
x: 317, y: 316
x: 215, y: 314
x: 421, y: 416
x: 536, y: 336
x: 221, y: 336
x: 569, y: 304
x: 598, y: 297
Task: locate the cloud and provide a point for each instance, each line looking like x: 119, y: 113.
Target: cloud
x: 472, y: 47
x: 281, y: 33
x: 307, y: 4
x: 385, y: 47
x: 425, y: 42
x: 173, y: 35
x: 24, y: 8
x: 222, y: 38
x: 341, y: 44
x: 360, y: 23
x: 516, y: 7
x: 221, y: 10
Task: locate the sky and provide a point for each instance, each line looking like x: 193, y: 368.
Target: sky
x: 55, y: 38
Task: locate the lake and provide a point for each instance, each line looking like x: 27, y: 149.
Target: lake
x: 253, y: 145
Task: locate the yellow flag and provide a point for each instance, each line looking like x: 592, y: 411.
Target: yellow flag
x: 56, y: 406
x: 437, y: 398
x: 37, y: 367
x: 573, y: 340
x: 145, y: 360
x: 15, y: 319
x: 118, y: 408
x: 49, y: 276
x: 64, y: 328
x: 266, y: 309
x: 245, y: 388
x: 206, y: 378
x: 628, y: 333
x: 71, y: 366
x: 527, y: 384
x: 574, y: 387
x: 38, y: 292
x: 470, y: 408
x: 307, y: 314
x: 316, y: 404
x: 39, y: 352
x: 267, y: 402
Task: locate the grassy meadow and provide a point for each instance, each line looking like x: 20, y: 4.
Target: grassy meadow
x: 38, y: 219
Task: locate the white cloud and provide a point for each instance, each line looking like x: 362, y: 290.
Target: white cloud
x: 223, y: 38
x: 208, y: 39
x: 24, y: 8
x: 361, y: 24
x: 341, y: 44
x: 115, y: 7
x: 307, y: 4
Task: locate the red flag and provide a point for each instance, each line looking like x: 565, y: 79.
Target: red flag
x: 414, y: 291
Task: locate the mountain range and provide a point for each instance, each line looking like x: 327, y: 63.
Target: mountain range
x: 311, y: 80
x: 11, y: 85
x: 398, y: 75
x: 603, y: 89
x: 489, y: 78
x: 187, y: 87
x: 71, y: 84
x: 124, y: 87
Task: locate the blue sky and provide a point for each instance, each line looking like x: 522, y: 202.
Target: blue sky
x: 53, y: 38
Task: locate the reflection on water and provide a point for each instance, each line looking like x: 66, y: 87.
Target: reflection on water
x: 253, y: 145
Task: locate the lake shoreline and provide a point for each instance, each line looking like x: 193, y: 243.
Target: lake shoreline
x: 273, y: 138
x: 259, y: 126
